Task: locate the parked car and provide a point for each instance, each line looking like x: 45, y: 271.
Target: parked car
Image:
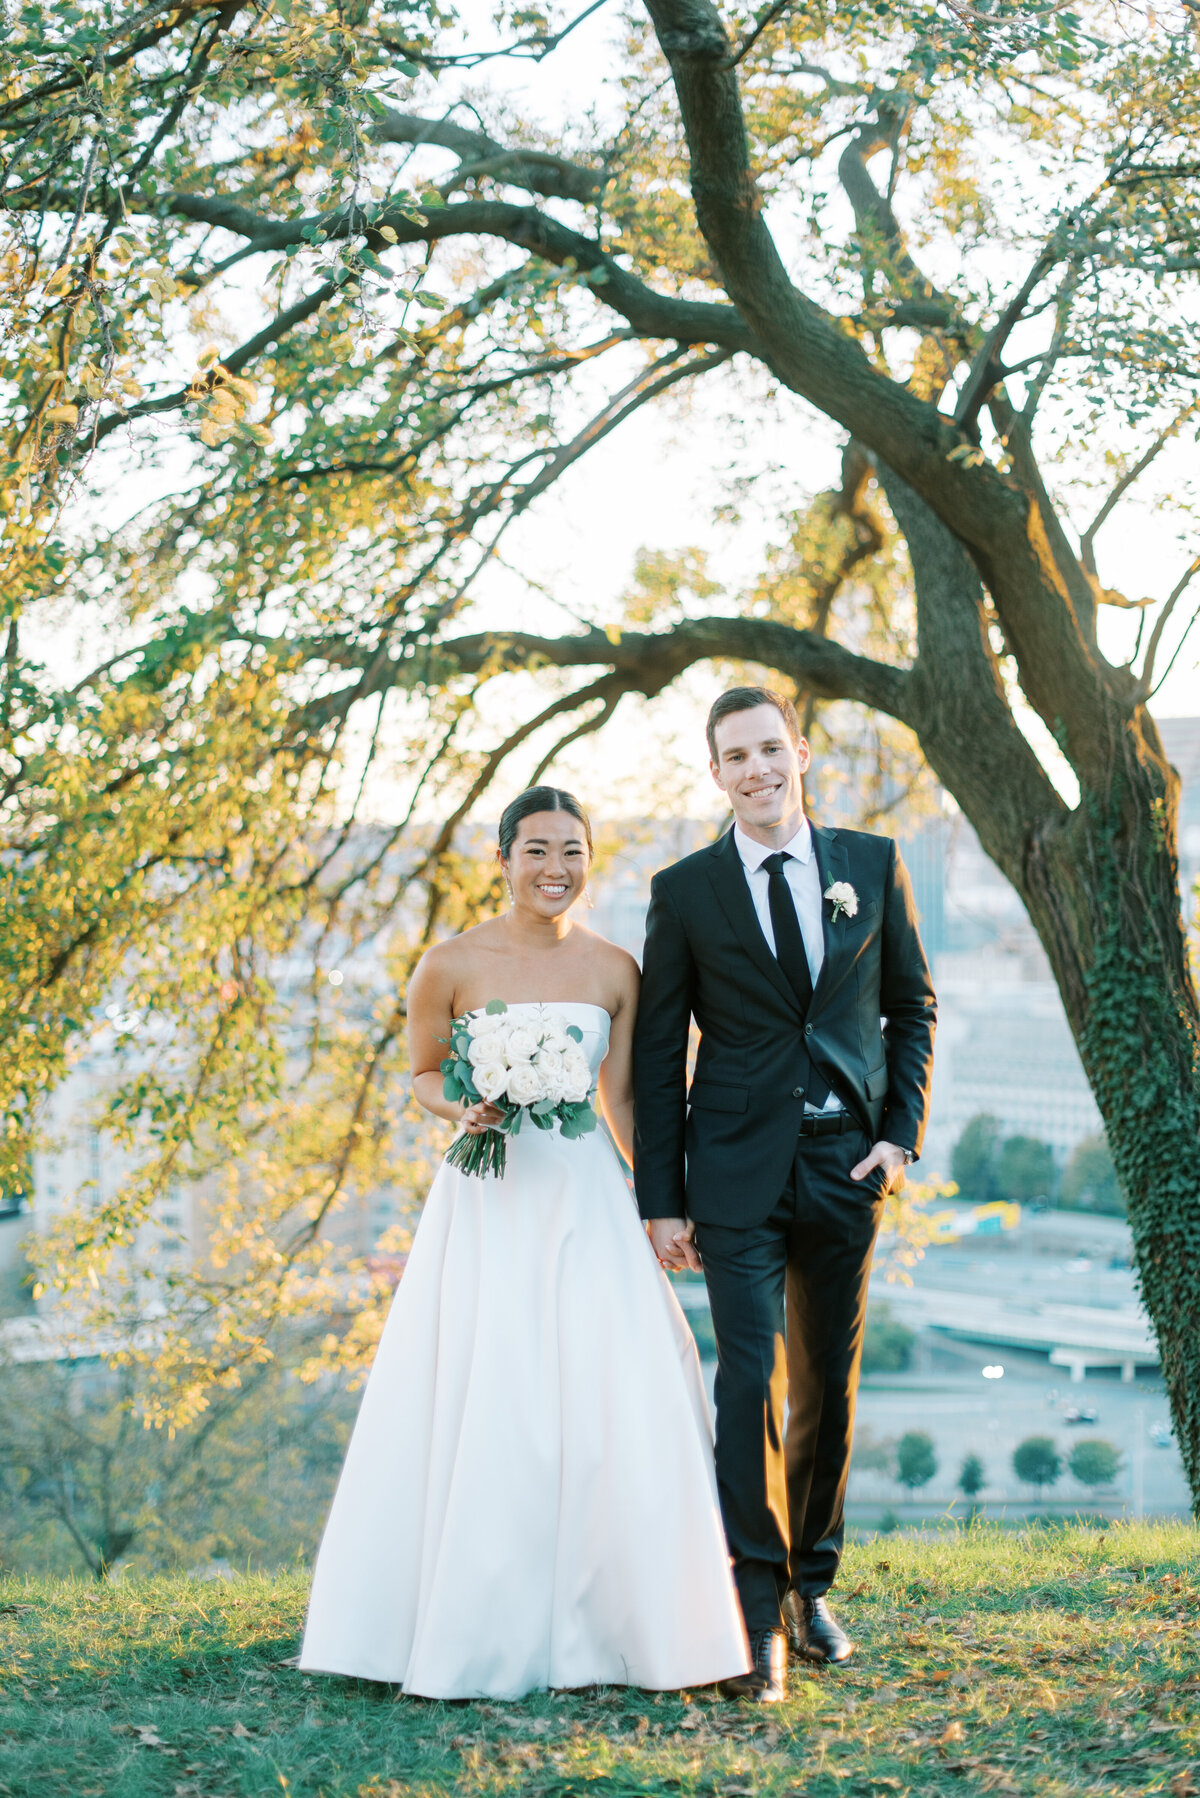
x: 1081, y: 1414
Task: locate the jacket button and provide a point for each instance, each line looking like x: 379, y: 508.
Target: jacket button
x: 797, y: 1092
x: 808, y: 1030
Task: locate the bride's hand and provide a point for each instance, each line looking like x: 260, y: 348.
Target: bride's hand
x: 478, y: 1118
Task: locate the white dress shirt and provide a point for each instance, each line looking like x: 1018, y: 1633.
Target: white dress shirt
x: 804, y: 882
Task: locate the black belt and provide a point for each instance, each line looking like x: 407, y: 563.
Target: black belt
x: 832, y: 1123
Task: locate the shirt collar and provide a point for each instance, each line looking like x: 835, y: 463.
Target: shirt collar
x: 755, y: 854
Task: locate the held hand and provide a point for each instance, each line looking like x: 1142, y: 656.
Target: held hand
x: 885, y: 1155
x: 672, y: 1239
x: 478, y: 1118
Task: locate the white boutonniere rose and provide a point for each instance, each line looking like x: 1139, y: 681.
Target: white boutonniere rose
x: 842, y: 897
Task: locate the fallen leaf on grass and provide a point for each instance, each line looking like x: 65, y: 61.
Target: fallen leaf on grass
x: 995, y: 1779
x: 148, y: 1736
x: 239, y: 1729
x: 885, y: 1695
x: 960, y: 1680
x: 1184, y: 1786
x: 953, y: 1732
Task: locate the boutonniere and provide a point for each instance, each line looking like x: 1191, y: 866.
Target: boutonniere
x: 843, y: 898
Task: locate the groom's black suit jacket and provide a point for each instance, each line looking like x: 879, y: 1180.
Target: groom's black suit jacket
x: 722, y: 1151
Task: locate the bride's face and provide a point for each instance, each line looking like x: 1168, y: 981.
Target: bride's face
x: 547, y: 866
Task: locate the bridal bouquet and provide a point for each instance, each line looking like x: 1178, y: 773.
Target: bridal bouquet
x: 528, y: 1068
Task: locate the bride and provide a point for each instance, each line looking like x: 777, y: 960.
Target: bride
x: 528, y: 1499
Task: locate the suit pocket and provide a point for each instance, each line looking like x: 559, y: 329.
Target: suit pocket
x: 876, y: 1082
x: 865, y: 912
x: 717, y: 1098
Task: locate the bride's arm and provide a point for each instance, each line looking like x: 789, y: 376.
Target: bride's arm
x: 616, y: 1073
x: 430, y: 1015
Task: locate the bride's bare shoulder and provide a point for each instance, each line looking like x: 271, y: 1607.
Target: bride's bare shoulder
x: 442, y: 963
x: 617, y: 963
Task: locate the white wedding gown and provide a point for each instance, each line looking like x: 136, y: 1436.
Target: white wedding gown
x: 528, y: 1499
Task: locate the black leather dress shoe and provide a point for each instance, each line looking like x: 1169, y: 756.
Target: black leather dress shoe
x: 766, y: 1683
x: 813, y: 1632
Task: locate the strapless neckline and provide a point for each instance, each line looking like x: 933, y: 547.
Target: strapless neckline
x: 549, y: 1005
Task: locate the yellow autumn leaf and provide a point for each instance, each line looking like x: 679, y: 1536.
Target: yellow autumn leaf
x: 63, y: 415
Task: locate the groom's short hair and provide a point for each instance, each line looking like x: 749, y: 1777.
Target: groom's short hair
x: 744, y: 699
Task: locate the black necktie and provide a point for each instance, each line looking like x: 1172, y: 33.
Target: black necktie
x: 790, y: 954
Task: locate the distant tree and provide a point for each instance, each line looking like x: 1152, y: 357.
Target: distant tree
x: 887, y: 1344
x: 1089, y: 1181
x: 873, y: 1454
x: 1025, y: 1168
x: 1094, y: 1462
x: 1037, y: 1462
x: 916, y: 1462
x: 971, y: 1476
x: 84, y: 1484
x: 973, y: 1162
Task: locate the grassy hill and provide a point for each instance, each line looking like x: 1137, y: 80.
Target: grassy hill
x: 1048, y: 1663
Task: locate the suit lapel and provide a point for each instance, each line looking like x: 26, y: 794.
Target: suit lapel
x: 832, y: 864
x: 732, y: 889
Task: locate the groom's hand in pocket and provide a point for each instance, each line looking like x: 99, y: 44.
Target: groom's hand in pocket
x: 887, y: 1156
x: 673, y: 1241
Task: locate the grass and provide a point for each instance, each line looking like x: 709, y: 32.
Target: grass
x: 1051, y: 1662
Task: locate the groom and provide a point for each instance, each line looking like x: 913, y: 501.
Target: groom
x: 795, y: 949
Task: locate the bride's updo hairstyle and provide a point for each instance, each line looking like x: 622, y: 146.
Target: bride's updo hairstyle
x: 539, y: 799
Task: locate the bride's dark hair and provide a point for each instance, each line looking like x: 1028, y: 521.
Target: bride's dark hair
x: 539, y: 799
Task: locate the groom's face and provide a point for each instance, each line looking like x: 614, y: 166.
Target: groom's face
x: 759, y: 769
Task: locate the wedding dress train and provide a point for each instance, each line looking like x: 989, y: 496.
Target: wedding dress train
x: 528, y: 1499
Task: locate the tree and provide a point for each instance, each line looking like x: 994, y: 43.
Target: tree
x: 971, y: 1477
x: 916, y: 1462
x: 1025, y: 1168
x: 1089, y: 1181
x: 757, y: 217
x: 84, y: 1483
x: 887, y: 1343
x: 1037, y: 1461
x: 973, y: 1162
x: 1094, y: 1462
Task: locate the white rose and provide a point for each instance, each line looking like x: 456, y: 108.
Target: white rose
x: 843, y: 898
x: 577, y: 1077
x: 486, y: 1052
x: 484, y: 1023
x: 521, y: 1044
x: 548, y: 1061
x: 524, y: 1084
x: 491, y: 1081
x: 556, y: 1040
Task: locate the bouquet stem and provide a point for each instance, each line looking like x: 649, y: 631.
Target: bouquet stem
x: 483, y: 1155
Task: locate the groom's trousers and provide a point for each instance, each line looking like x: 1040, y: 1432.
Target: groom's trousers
x: 789, y: 1300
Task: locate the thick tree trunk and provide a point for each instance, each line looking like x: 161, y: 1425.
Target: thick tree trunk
x: 1103, y: 895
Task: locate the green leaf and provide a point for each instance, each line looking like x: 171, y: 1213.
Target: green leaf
x: 451, y: 1089
x: 575, y: 1033
x: 494, y: 1007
